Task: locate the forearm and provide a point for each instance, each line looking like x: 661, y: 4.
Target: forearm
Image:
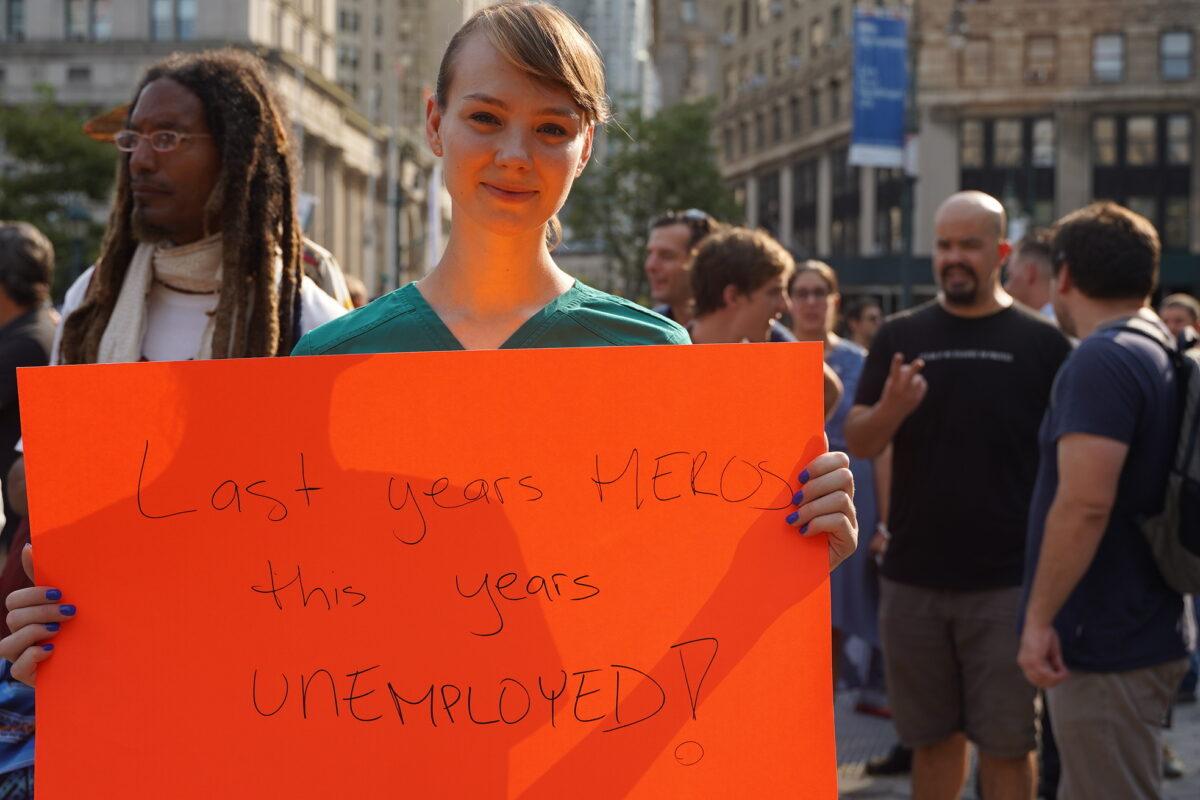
x: 883, y: 483
x: 870, y: 429
x: 1070, y: 542
x: 833, y: 390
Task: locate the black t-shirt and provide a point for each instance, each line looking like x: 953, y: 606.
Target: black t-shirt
x: 1121, y: 615
x: 964, y: 462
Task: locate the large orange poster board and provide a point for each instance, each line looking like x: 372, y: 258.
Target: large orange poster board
x: 557, y: 573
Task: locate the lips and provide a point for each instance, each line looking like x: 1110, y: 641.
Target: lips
x: 144, y: 190
x: 512, y: 193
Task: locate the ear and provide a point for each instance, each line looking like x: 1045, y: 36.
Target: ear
x: 588, y: 138
x: 1062, y: 281
x: 433, y: 126
x: 730, y: 295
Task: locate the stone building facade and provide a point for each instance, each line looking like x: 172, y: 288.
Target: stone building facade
x: 93, y: 52
x: 1044, y: 105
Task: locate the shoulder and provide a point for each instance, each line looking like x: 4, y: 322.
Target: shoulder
x: 74, y: 296
x: 390, y: 309
x: 618, y: 321
x: 848, y: 352
x: 316, y: 307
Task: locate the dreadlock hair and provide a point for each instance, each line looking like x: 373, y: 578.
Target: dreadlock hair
x: 252, y: 204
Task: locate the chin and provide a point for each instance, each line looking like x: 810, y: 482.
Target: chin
x: 146, y: 231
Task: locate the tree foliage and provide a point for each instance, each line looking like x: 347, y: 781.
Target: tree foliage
x: 55, y: 177
x: 644, y: 167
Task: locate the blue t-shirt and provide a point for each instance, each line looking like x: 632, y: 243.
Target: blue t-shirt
x: 1122, y: 615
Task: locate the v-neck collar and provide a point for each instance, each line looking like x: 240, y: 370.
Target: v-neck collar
x: 445, y: 339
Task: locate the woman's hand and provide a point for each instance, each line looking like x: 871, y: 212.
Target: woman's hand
x: 825, y: 504
x: 34, y: 615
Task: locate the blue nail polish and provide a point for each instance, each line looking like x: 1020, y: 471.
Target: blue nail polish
x: 797, y: 498
x: 53, y: 594
x: 804, y: 476
x: 47, y: 647
x: 67, y: 611
x: 51, y: 626
x: 804, y: 528
x: 792, y: 517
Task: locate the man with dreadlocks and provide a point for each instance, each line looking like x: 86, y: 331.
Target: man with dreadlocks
x: 203, y: 255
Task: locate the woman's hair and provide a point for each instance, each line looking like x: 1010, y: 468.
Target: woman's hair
x: 822, y: 269
x: 253, y: 206
x: 546, y: 44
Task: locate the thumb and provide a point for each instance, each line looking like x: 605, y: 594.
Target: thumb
x: 27, y: 560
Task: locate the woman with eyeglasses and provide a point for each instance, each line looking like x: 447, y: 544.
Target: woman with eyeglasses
x: 854, y: 590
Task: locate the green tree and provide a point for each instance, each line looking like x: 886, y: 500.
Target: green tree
x: 53, y: 176
x: 645, y: 166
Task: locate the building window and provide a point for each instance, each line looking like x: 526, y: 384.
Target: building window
x: 101, y: 20
x: 743, y: 138
x: 1141, y: 141
x: 760, y: 132
x: 794, y: 115
x: 797, y: 48
x: 727, y: 140
x: 1108, y: 58
x: 1007, y: 150
x: 975, y: 62
x: 970, y: 155
x: 1043, y: 143
x: 816, y: 36
x: 687, y: 12
x: 814, y: 109
x: 804, y: 207
x: 835, y: 101
x: 745, y: 17
x: 835, y: 24
x: 777, y: 58
x: 889, y: 217
x: 172, y: 20
x: 79, y: 75
x: 1145, y: 164
x: 77, y: 21
x: 1175, y: 52
x: 88, y: 20
x: 843, y: 227
x: 769, y: 204
x: 1179, y: 140
x: 14, y: 21
x: 776, y: 124
x: 1104, y: 141
x: 1041, y: 59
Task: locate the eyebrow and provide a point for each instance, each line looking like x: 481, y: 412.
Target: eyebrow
x: 554, y: 111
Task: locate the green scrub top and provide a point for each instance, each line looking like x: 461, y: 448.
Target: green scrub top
x: 402, y: 322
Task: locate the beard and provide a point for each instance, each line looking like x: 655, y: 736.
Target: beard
x: 964, y: 295
x: 145, y: 231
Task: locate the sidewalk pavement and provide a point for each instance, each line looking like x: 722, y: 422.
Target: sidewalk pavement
x: 860, y: 738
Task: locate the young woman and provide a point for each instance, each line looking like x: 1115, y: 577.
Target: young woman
x: 519, y: 94
x: 854, y: 590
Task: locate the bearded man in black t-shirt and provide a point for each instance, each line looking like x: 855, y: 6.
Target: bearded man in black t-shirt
x: 959, y: 387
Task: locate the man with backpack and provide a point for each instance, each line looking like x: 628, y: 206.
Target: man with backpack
x: 1104, y: 629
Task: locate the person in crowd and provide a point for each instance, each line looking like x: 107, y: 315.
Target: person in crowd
x: 1181, y: 314
x: 325, y: 271
x: 1103, y: 632
x: 958, y: 386
x: 739, y: 282
x: 26, y: 333
x: 863, y: 318
x: 1028, y: 272
x: 358, y: 291
x: 674, y: 237
x: 518, y: 96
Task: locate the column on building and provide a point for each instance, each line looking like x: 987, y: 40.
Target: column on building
x: 1073, y: 159
x: 787, y: 200
x: 752, y: 201
x: 1194, y: 209
x: 938, y: 165
x: 867, y: 245
x: 824, y: 203
x: 314, y: 184
x: 334, y: 204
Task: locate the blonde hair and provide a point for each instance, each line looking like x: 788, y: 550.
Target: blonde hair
x: 545, y: 43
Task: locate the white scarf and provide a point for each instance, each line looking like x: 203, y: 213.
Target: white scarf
x: 194, y: 267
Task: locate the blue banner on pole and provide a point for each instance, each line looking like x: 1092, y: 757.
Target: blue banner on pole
x: 880, y: 87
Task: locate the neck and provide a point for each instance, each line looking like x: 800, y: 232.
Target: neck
x: 1088, y: 315
x: 714, y: 328
x: 10, y: 311
x: 995, y: 300
x: 681, y: 311
x: 482, y: 275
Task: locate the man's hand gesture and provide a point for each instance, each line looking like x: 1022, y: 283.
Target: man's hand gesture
x: 905, y: 386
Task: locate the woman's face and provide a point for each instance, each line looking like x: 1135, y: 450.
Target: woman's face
x: 511, y: 146
x: 813, y: 305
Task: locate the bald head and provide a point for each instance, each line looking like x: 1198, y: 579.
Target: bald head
x: 975, y: 206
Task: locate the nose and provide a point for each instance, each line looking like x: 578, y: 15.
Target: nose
x: 143, y: 158
x: 513, y: 152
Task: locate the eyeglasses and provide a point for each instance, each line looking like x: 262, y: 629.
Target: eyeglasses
x: 804, y: 295
x: 162, y: 141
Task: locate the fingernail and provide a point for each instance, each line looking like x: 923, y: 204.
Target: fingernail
x: 792, y: 517
x: 804, y: 528
x: 804, y: 476
x: 51, y: 626
x: 53, y: 594
x: 47, y: 647
x: 67, y: 611
x: 797, y: 498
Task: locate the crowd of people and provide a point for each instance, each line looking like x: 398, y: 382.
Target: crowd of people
x: 1001, y: 443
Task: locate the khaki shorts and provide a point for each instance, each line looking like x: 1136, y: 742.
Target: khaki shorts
x: 951, y: 660
x: 1108, y: 726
